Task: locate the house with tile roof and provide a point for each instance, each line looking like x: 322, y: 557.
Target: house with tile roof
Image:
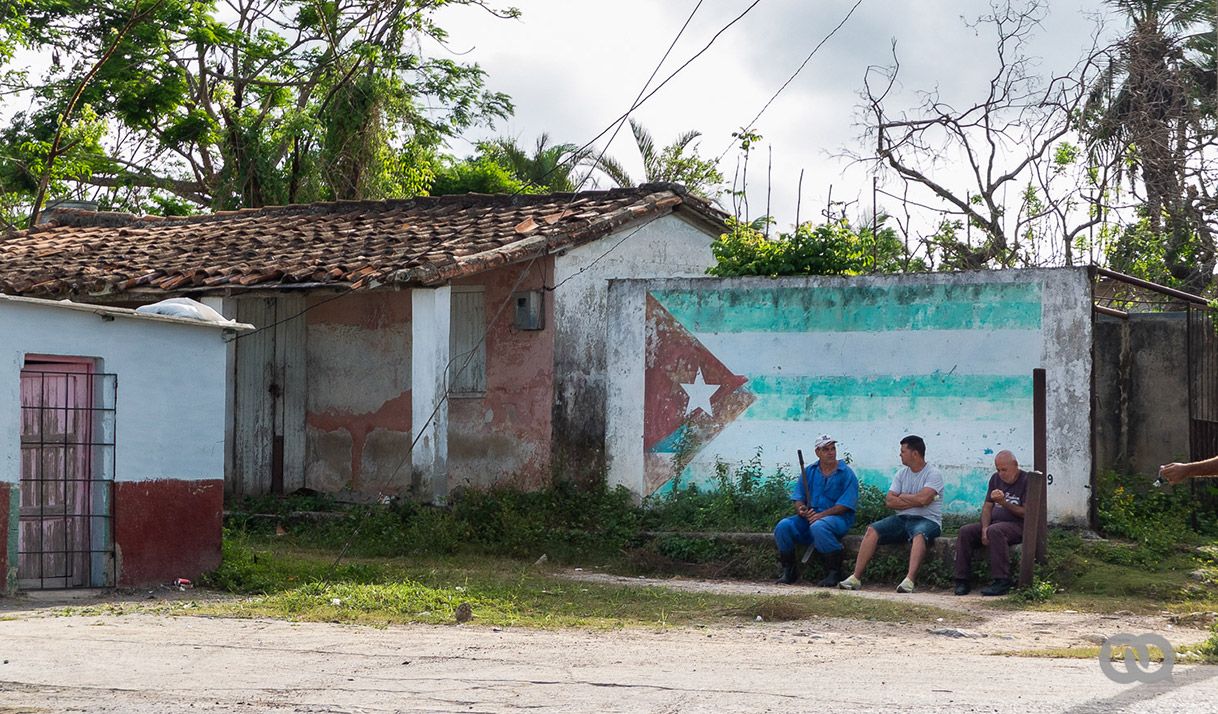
x: 404, y: 346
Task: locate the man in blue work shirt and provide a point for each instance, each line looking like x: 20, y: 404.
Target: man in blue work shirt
x: 824, y: 518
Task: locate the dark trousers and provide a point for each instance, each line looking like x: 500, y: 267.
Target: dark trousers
x: 1002, y: 535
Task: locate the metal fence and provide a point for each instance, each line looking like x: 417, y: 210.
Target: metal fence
x: 65, y: 536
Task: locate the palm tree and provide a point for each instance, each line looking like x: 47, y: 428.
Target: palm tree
x: 678, y: 162
x: 1153, y: 110
x: 550, y: 166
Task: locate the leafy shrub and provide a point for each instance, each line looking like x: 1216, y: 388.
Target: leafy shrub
x: 1038, y: 591
x: 744, y: 499
x: 563, y: 520
x: 1130, y: 507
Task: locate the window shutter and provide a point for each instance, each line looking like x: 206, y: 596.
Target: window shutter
x: 468, y: 321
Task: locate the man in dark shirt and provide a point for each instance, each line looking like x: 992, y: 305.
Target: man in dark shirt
x: 1001, y: 526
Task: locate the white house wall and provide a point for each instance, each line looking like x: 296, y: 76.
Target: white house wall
x: 170, y: 420
x: 667, y: 246
x: 166, y: 499
x: 711, y: 370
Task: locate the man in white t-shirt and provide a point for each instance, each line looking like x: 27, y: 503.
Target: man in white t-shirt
x: 916, y: 495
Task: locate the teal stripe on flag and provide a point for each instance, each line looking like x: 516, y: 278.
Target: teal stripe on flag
x: 922, y: 385
x: 975, y: 397
x: 857, y: 308
x: 775, y: 407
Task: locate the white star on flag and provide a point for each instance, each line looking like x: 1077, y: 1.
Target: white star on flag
x: 699, y: 393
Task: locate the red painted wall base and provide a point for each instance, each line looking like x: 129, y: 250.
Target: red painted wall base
x: 167, y: 529
x: 5, y: 504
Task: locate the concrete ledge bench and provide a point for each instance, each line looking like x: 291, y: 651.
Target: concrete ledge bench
x: 944, y: 547
x: 1035, y: 529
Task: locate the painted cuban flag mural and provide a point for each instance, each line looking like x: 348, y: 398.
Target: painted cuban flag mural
x: 730, y: 370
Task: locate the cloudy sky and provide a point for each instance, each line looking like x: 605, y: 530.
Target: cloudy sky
x: 572, y: 66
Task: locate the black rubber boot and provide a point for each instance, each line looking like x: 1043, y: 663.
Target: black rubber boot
x: 962, y: 587
x: 790, y: 573
x: 833, y: 568
x: 1001, y: 586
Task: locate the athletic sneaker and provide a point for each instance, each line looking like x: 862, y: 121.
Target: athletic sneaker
x: 906, y: 586
x: 851, y: 583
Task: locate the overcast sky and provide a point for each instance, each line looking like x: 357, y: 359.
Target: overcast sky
x: 571, y: 66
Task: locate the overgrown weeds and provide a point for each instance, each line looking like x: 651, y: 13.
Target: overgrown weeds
x: 1151, y: 560
x: 291, y: 583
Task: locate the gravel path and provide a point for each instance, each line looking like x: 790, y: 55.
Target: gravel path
x: 150, y: 663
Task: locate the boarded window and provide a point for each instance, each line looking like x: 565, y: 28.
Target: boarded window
x: 467, y: 349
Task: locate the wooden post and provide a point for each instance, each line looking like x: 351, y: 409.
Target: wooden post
x: 1036, y: 511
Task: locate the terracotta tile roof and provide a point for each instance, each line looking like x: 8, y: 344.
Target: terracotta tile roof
x: 420, y: 241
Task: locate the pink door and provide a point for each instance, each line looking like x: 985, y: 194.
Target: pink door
x: 53, y: 542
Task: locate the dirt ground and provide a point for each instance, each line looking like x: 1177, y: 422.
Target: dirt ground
x: 151, y: 663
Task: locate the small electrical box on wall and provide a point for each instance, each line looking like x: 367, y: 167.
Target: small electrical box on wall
x: 530, y: 310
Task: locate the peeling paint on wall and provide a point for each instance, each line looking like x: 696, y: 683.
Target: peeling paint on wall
x: 728, y: 367
x: 503, y: 435
x: 359, y: 395
x: 667, y: 246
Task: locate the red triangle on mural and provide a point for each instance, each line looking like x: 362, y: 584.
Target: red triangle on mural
x: 682, y: 379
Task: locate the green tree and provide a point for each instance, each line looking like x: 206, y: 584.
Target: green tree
x: 831, y: 248
x: 477, y: 175
x: 263, y: 102
x: 1151, y: 116
x: 678, y: 162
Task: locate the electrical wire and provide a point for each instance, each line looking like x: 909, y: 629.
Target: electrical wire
x: 794, y: 74
x: 619, y: 122
x: 615, y: 125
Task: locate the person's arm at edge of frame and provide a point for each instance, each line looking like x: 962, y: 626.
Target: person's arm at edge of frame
x: 1177, y: 473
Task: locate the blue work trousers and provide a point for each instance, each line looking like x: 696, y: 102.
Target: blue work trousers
x: 826, y: 533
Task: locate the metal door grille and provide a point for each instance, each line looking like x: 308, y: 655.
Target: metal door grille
x: 1202, y: 399
x: 67, y: 473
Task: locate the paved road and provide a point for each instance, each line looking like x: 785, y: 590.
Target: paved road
x: 149, y: 663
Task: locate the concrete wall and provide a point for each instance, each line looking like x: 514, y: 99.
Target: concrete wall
x: 668, y: 246
x: 1141, y: 391
x: 359, y: 398
x: 503, y: 436
x: 169, y: 429
x: 706, y: 370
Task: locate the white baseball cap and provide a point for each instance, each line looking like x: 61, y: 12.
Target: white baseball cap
x: 824, y: 440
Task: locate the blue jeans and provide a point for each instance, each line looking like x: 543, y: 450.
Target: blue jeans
x: 902, y: 529
x: 826, y: 534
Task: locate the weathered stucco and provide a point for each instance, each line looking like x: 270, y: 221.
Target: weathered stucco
x: 668, y: 246
x: 1141, y: 391
x: 504, y: 435
x: 707, y: 370
x: 359, y: 366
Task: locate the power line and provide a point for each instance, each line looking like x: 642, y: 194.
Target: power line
x: 794, y: 74
x: 620, y: 121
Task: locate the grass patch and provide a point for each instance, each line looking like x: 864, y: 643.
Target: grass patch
x: 1202, y: 653
x: 295, y: 584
